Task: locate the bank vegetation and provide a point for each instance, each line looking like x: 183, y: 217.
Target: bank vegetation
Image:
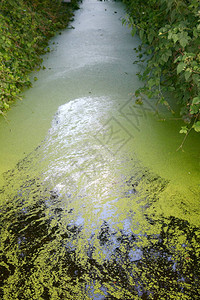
x: 25, y: 28
x: 170, y: 49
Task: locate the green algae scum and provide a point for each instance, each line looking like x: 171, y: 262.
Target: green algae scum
x: 95, y: 201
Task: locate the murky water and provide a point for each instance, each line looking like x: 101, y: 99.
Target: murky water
x: 95, y: 201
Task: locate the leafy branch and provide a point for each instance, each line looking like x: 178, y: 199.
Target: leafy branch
x: 170, y: 39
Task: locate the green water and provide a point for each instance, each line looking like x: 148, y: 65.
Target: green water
x: 95, y: 201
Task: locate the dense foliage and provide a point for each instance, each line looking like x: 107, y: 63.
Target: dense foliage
x: 170, y: 35
x: 25, y: 27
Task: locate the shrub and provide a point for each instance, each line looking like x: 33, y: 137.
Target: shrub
x: 170, y: 35
x: 25, y: 28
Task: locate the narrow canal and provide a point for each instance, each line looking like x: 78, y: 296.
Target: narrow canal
x: 95, y: 201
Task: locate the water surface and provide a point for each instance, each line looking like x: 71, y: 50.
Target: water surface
x: 95, y: 201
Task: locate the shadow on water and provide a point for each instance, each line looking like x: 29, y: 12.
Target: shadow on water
x: 48, y: 251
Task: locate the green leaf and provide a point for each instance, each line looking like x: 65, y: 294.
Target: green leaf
x: 183, y: 42
x: 6, y: 105
x: 171, y: 88
x: 196, y: 126
x: 175, y: 37
x: 187, y: 75
x: 195, y: 33
x: 196, y: 78
x: 133, y: 31
x: 196, y: 100
x: 184, y: 129
x: 194, y: 109
x: 181, y: 67
x: 151, y: 37
x: 137, y: 92
x: 165, y: 57
x: 178, y: 59
x: 141, y: 34
x: 151, y: 82
x: 183, y: 38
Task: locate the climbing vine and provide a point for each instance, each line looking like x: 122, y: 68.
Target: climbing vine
x: 25, y: 28
x: 170, y: 35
